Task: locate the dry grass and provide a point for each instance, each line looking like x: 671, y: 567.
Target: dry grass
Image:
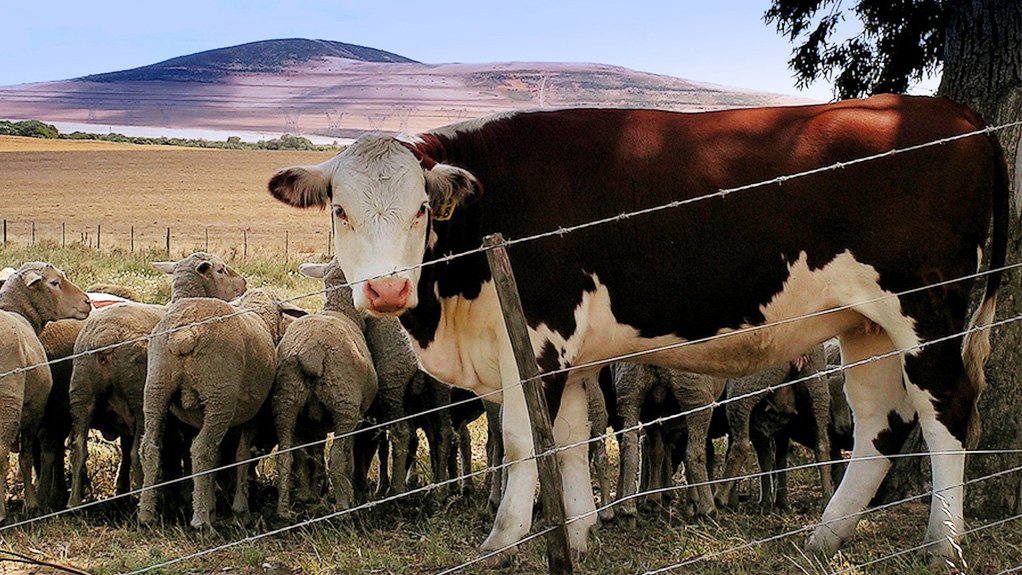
x: 192, y: 191
x: 24, y: 144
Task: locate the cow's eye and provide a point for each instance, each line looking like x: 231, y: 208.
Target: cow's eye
x: 423, y: 209
x: 340, y: 214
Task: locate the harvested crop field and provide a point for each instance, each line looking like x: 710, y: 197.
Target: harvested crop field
x: 219, y: 194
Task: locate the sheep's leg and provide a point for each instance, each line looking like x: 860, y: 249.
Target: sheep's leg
x: 695, y: 461
x: 52, y: 490
x: 155, y: 407
x: 346, y: 416
x: 81, y: 415
x: 653, y: 462
x: 136, y: 459
x: 739, y: 447
x: 240, y: 504
x: 124, y: 467
x: 285, y: 416
x: 494, y: 454
x: 205, y: 453
x: 464, y: 440
x: 440, y: 451
x: 820, y: 396
x: 766, y: 456
x: 781, y: 477
x: 883, y: 418
x: 5, y: 450
x: 629, y: 462
x: 383, y: 452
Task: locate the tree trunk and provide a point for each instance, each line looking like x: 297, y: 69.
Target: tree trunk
x: 983, y: 68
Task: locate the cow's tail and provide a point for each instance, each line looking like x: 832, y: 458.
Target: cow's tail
x: 976, y: 346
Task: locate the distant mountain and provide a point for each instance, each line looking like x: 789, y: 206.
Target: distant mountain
x: 319, y: 87
x: 265, y: 57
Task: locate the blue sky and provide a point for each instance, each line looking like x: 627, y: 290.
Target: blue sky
x: 724, y: 41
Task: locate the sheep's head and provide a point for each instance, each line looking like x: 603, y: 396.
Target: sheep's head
x: 207, y: 273
x: 48, y: 292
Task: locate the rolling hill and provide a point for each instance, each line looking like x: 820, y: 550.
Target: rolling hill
x: 336, y: 89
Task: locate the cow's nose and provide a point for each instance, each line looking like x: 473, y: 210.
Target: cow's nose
x: 387, y: 295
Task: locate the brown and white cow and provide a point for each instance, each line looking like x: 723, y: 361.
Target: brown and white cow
x: 841, y: 238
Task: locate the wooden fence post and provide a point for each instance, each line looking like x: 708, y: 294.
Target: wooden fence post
x: 285, y: 246
x: 550, y: 486
x: 5, y: 232
x: 131, y: 240
x: 63, y: 234
x: 168, y: 242
x: 244, y: 245
x: 33, y: 233
x: 97, y: 237
x: 207, y: 239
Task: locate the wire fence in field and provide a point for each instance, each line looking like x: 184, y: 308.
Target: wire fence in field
x: 167, y: 241
x: 552, y: 233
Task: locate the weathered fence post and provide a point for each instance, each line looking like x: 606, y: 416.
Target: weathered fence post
x: 131, y: 240
x: 97, y: 237
x: 207, y: 239
x: 168, y: 241
x: 63, y: 234
x: 33, y: 233
x: 550, y: 486
x: 5, y: 232
x: 285, y: 246
x: 244, y: 245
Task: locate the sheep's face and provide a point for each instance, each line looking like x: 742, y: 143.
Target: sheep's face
x: 221, y: 280
x: 51, y: 294
x: 218, y: 280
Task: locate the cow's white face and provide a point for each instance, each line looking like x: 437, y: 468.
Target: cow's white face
x: 380, y: 197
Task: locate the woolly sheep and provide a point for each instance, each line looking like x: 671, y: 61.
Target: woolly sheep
x: 114, y: 380
x: 633, y: 383
x: 213, y: 377
x: 769, y: 423
x: 33, y: 296
x: 323, y: 363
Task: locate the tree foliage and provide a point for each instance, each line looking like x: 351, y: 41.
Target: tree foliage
x: 896, y: 42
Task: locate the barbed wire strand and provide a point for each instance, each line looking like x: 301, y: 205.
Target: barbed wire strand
x: 16, y: 557
x: 639, y: 426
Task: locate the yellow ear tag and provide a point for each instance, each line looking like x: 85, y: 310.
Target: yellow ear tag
x: 444, y: 211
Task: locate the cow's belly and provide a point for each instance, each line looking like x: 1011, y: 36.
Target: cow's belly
x: 466, y: 349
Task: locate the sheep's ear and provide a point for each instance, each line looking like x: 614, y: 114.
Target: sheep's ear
x: 292, y: 310
x: 317, y: 271
x: 31, y: 277
x: 203, y: 267
x: 165, y: 267
x: 448, y: 187
x: 302, y: 186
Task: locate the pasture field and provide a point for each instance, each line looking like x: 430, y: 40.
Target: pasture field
x: 224, y: 191
x: 421, y: 535
x: 197, y: 193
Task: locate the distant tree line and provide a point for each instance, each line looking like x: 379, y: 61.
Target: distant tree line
x: 37, y: 129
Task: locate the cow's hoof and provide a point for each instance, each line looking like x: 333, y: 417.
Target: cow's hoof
x: 944, y: 556
x: 499, y: 559
x: 823, y: 543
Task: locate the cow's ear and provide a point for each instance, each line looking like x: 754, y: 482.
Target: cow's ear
x: 302, y: 186
x: 448, y: 187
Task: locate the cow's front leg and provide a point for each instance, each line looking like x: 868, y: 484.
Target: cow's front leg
x: 571, y: 427
x: 514, y: 515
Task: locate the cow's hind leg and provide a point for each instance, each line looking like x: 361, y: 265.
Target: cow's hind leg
x: 945, y: 397
x: 883, y: 417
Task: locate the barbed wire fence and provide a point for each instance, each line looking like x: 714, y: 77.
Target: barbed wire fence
x: 560, y: 232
